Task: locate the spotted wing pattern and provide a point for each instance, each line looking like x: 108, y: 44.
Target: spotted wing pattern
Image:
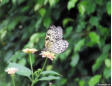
x: 59, y: 46
x: 53, y: 34
x: 54, y: 40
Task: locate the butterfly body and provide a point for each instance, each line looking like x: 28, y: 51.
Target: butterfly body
x: 54, y: 40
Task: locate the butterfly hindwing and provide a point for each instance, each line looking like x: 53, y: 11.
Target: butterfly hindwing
x: 59, y: 46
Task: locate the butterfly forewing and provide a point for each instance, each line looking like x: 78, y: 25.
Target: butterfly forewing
x: 55, y: 33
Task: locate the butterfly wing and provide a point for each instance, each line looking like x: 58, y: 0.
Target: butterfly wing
x: 59, y: 46
x: 53, y: 34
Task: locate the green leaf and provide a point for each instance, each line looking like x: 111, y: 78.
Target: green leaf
x: 71, y: 4
x: 50, y: 73
x: 99, y: 62
x: 81, y: 83
x: 42, y: 11
x: 107, y: 73
x: 74, y: 60
x: 49, y: 78
x: 47, y: 22
x: 49, y: 67
x: 4, y: 2
x: 38, y: 23
x: 37, y: 7
x: 53, y: 2
x: 35, y: 38
x: 16, y: 56
x: 64, y: 55
x: 63, y: 81
x: 3, y: 33
x: 94, y: 80
x: 68, y: 31
x: 108, y: 7
x: 81, y: 26
x: 14, y: 2
x: 20, y: 1
x: 104, y: 31
x: 106, y: 48
x: 79, y: 45
x: 94, y: 21
x: 82, y: 7
x: 107, y: 63
x: 12, y: 24
x: 41, y: 2
x: 86, y: 6
x: 99, y: 2
x: 90, y: 7
x: 22, y: 70
x: 22, y: 61
x: 8, y: 55
x: 94, y: 38
x: 25, y: 8
x: 66, y: 21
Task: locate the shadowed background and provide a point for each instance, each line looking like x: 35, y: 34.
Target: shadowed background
x: 86, y: 25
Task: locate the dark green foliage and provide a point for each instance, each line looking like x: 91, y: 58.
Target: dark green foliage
x: 86, y: 24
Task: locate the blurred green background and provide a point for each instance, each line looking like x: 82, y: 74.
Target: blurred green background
x: 86, y: 25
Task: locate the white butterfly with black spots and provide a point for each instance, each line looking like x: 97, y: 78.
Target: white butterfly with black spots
x: 54, y: 40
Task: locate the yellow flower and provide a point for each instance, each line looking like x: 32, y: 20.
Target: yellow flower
x: 48, y: 54
x: 11, y: 70
x: 27, y: 50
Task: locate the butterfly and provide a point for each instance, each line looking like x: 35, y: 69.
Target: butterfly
x: 54, y: 41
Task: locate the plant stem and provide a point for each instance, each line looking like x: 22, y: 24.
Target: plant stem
x: 40, y: 73
x: 13, y: 81
x: 44, y: 64
x: 32, y: 84
x: 30, y: 55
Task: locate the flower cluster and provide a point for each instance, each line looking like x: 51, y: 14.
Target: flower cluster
x: 47, y: 54
x: 11, y: 70
x: 27, y: 50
